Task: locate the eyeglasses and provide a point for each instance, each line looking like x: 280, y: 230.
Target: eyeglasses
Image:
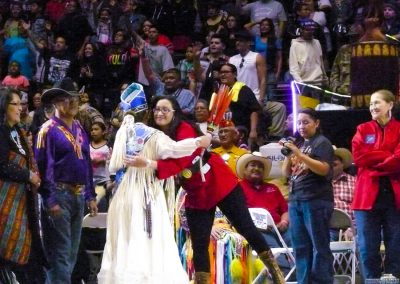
x: 241, y: 63
x: 225, y: 71
x: 163, y: 110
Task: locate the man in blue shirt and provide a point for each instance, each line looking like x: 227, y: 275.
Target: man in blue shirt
x: 63, y: 157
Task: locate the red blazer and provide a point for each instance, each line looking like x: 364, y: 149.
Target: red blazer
x: 376, y: 153
x: 219, y: 180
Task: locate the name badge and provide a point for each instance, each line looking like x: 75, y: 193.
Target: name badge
x: 370, y: 139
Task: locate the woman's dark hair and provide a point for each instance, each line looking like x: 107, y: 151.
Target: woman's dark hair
x: 231, y: 66
x: 176, y: 121
x: 310, y: 112
x: 313, y: 114
x: 204, y: 102
x: 6, y: 95
x: 100, y: 124
x: 271, y: 32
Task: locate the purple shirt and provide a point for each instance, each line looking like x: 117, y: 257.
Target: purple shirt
x: 60, y: 161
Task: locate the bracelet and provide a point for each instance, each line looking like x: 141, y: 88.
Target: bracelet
x: 148, y: 163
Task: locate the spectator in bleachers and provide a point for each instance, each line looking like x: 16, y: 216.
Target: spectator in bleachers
x: 339, y: 80
x: 131, y: 20
x: 320, y: 18
x: 36, y: 102
x: 14, y: 78
x: 160, y: 12
x: 37, y: 20
x: 59, y: 62
x: 244, y: 105
x: 120, y: 65
x: 206, y: 68
x: 252, y: 70
x: 16, y: 49
x: 228, y: 138
x: 12, y: 24
x: 170, y: 84
x: 232, y: 27
x: 115, y: 9
x: 343, y: 186
x: 161, y: 38
x: 391, y: 22
x: 87, y: 115
x: 185, y: 66
x: 250, y: 65
x: 55, y: 10
x: 159, y: 56
x: 215, y: 18
x: 89, y: 71
x: 104, y: 27
x: 74, y: 27
x: 184, y: 16
x: 306, y: 58
x: 261, y: 9
x: 268, y: 45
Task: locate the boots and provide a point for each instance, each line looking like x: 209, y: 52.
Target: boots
x: 202, y: 278
x: 268, y: 259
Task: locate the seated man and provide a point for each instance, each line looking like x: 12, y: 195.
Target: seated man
x: 228, y: 137
x: 253, y: 169
x: 343, y: 187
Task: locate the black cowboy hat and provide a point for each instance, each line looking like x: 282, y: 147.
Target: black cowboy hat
x: 63, y: 88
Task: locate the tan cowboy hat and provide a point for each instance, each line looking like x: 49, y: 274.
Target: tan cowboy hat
x: 344, y: 155
x: 255, y: 156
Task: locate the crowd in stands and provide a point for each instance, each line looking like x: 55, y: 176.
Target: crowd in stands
x: 188, y: 49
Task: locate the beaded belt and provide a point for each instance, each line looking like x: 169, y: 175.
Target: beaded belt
x: 76, y: 189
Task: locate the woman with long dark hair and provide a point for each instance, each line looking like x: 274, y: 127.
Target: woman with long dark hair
x: 308, y: 167
x: 18, y: 182
x: 200, y: 176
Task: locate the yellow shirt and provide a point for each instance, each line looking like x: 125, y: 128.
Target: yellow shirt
x: 230, y: 156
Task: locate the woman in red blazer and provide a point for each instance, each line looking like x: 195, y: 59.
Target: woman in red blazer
x: 208, y: 184
x: 376, y: 151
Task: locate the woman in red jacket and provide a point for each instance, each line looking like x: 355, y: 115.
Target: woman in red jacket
x: 208, y: 184
x: 376, y: 151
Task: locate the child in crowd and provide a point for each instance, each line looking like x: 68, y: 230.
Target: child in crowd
x: 100, y: 154
x: 14, y: 78
x: 185, y: 66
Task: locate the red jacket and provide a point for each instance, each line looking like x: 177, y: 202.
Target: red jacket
x: 219, y: 180
x: 376, y: 153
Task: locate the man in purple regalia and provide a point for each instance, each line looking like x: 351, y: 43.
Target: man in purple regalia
x: 62, y: 153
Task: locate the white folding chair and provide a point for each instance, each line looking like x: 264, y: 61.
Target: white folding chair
x: 263, y: 221
x: 344, y: 252
x: 95, y: 222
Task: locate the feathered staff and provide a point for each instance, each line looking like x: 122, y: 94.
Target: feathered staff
x: 218, y: 105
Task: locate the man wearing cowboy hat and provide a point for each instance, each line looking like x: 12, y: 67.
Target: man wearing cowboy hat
x: 343, y: 184
x: 228, y: 136
x: 63, y: 156
x: 253, y: 169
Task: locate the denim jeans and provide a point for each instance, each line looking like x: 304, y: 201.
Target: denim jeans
x: 372, y: 226
x: 309, y: 231
x: 62, y: 235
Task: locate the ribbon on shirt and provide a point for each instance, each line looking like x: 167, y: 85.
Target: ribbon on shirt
x: 77, y: 147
